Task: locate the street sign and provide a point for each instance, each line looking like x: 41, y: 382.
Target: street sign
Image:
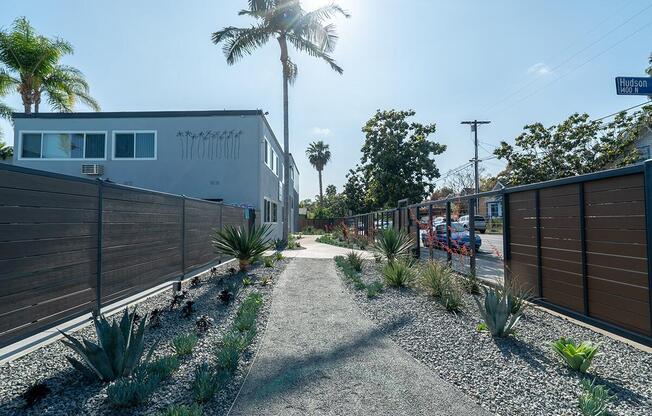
x: 633, y: 86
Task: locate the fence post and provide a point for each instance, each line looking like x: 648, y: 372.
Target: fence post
x: 472, y: 235
x: 506, y: 238
x: 538, y: 235
x: 585, y: 280
x: 449, y: 255
x: 429, y: 235
x: 100, y: 236
x: 648, y: 226
x: 177, y: 285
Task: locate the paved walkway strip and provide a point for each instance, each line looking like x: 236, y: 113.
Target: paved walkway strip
x: 320, y: 356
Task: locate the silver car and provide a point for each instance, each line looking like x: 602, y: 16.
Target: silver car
x: 480, y: 223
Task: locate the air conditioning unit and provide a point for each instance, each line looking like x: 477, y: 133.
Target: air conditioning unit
x: 92, y: 170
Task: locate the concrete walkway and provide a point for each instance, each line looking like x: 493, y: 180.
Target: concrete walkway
x: 321, y: 357
x: 314, y: 250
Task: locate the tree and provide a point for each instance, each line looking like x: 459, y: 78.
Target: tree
x: 32, y: 67
x: 319, y: 155
x: 649, y: 69
x: 397, y: 162
x: 574, y: 147
x: 6, y: 152
x: 286, y: 21
x: 442, y: 193
x: 331, y: 190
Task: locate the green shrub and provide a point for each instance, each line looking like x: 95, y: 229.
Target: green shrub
x: 268, y: 261
x: 398, y: 274
x: 183, y: 410
x: 163, y: 367
x: 393, y: 245
x: 374, y: 289
x: 246, y: 281
x: 433, y: 276
x: 245, y: 318
x: 577, y: 357
x: 595, y: 399
x: 452, y: 296
x: 205, y: 384
x: 349, y: 272
x: 233, y: 343
x: 241, y: 243
x: 355, y: 260
x: 278, y: 256
x: 131, y: 391
x: 119, y: 351
x: 184, y: 344
x: 501, y: 309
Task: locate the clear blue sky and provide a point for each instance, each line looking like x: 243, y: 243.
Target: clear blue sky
x: 447, y: 60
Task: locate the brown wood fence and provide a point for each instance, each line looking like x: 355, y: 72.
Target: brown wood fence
x: 59, y: 233
x: 581, y: 244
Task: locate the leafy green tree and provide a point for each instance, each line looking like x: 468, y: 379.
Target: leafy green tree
x: 397, y: 162
x: 649, y: 69
x: 355, y: 192
x: 6, y: 152
x: 32, y: 67
x: 331, y: 190
x: 576, y: 146
x: 331, y: 205
x: 319, y: 155
x: 286, y: 21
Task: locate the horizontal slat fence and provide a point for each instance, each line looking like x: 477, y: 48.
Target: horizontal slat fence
x: 580, y: 245
x: 59, y: 233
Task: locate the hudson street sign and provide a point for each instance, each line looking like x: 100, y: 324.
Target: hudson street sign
x: 633, y: 86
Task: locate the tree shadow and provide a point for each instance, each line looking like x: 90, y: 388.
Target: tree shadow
x: 530, y: 354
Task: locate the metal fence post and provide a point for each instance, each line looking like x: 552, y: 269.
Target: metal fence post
x: 648, y: 226
x: 472, y: 235
x: 449, y: 255
x: 429, y: 235
x: 582, y: 224
x: 100, y: 236
x: 506, y: 238
x: 183, y: 243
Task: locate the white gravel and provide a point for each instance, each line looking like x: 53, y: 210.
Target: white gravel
x: 513, y: 376
x: 70, y: 395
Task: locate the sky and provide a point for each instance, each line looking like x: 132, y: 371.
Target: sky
x: 510, y: 62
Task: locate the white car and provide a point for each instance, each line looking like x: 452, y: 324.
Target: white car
x: 480, y: 223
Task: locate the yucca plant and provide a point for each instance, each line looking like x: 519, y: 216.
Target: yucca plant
x: 595, y: 399
x: 501, y: 309
x: 577, y: 357
x: 183, y: 410
x: 355, y: 260
x: 119, y: 351
x: 398, y: 274
x: 433, y: 277
x: 241, y: 243
x: 393, y: 245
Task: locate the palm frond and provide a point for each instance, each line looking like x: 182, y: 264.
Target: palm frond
x: 292, y: 71
x: 311, y: 26
x: 240, y: 41
x: 306, y: 46
x: 5, y: 111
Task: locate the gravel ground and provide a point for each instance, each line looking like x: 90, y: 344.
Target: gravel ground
x: 514, y: 376
x: 71, y: 395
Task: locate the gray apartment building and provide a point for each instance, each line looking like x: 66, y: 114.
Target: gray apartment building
x: 229, y: 156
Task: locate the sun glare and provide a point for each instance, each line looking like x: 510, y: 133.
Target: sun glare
x: 309, y: 5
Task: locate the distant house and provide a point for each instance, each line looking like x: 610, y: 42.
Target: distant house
x: 229, y: 156
x: 644, y: 142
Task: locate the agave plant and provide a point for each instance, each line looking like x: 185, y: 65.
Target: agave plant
x: 393, y: 244
x: 595, y: 399
x: 242, y: 244
x: 502, y: 309
x: 119, y: 351
x: 578, y: 357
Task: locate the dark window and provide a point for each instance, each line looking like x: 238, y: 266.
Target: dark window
x: 145, y: 143
x: 31, y: 145
x: 95, y: 146
x: 124, y: 145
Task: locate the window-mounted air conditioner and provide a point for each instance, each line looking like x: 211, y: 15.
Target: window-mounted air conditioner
x: 92, y: 169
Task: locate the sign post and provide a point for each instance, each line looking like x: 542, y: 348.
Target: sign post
x: 634, y: 85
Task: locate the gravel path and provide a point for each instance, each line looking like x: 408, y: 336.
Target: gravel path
x: 319, y: 356
x: 72, y: 396
x: 515, y: 376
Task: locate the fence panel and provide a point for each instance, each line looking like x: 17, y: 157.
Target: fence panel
x: 141, y: 243
x: 48, y: 251
x: 202, y: 220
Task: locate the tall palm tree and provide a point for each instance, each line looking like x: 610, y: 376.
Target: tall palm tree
x: 32, y: 67
x: 319, y: 155
x: 286, y: 21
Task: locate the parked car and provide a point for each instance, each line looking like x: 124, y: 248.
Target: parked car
x: 480, y: 223
x: 459, y: 236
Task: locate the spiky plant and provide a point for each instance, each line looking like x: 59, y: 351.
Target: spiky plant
x: 595, y: 399
x: 577, y: 356
x: 183, y: 410
x: 355, y: 260
x: 398, y: 274
x: 393, y: 245
x: 119, y: 351
x: 242, y: 244
x: 502, y: 308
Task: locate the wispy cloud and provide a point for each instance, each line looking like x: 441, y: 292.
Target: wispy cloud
x: 321, y: 131
x: 539, y: 69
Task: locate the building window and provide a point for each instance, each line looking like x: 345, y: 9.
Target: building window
x: 270, y: 211
x: 63, y: 146
x: 134, y: 145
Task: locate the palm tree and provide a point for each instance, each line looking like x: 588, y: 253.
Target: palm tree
x: 286, y: 21
x: 319, y: 155
x: 32, y: 67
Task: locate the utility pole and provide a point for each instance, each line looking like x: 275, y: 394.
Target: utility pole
x: 475, y: 160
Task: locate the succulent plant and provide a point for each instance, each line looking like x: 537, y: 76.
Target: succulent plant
x: 242, y: 243
x: 502, y: 309
x: 177, y: 298
x: 196, y: 280
x: 225, y: 296
x: 119, y: 351
x: 203, y: 323
x: 155, y: 318
x: 187, y: 309
x: 577, y: 356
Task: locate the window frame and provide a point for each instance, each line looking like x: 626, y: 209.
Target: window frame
x: 134, y: 132
x: 70, y: 132
x: 271, y: 203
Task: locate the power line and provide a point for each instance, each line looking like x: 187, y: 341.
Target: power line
x: 625, y: 110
